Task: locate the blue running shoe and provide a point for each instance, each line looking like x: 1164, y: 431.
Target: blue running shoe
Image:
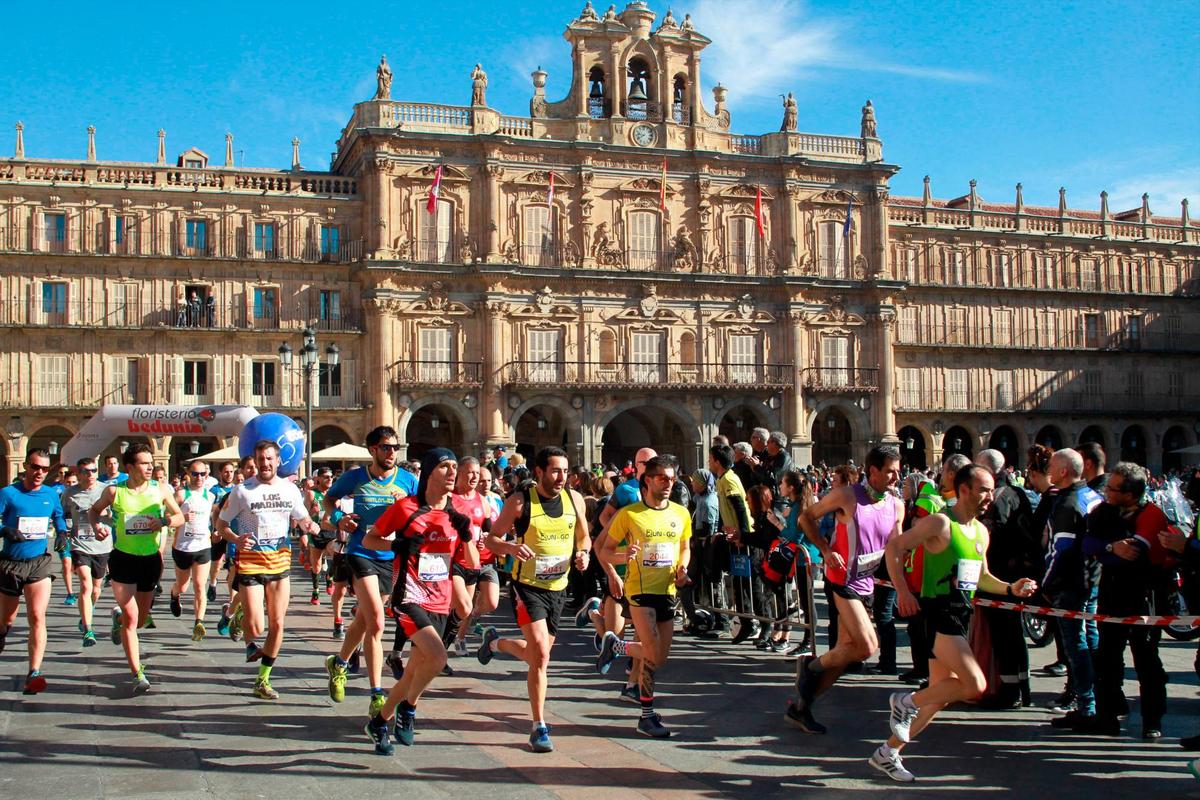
x: 652, y: 726
x: 378, y: 731
x: 608, y: 653
x: 405, y: 727
x: 485, y: 652
x: 597, y: 641
x: 584, y: 616
x: 539, y: 740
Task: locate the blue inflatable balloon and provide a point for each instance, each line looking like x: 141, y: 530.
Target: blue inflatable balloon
x: 282, y: 430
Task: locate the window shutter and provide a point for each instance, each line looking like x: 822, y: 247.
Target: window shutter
x: 217, y: 377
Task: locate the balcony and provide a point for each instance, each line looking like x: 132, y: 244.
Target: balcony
x: 840, y: 379
x: 437, y: 374
x: 202, y: 315
x: 601, y: 375
x: 1072, y: 401
x: 35, y: 394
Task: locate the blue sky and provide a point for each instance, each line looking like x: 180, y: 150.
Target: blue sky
x: 1088, y: 95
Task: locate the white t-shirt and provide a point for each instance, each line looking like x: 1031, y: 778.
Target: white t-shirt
x: 196, y: 535
x: 265, y: 512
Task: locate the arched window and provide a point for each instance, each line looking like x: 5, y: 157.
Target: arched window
x: 608, y: 350
x: 637, y: 99
x: 742, y: 236
x: 645, y: 240
x: 687, y: 350
x: 680, y: 112
x: 434, y: 239
x: 599, y: 106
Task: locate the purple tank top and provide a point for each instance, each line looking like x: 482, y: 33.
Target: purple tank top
x: 866, y: 537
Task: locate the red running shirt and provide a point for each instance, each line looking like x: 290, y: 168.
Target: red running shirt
x: 472, y: 508
x: 427, y: 569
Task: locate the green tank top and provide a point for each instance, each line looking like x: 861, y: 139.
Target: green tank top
x: 136, y: 518
x: 957, y: 568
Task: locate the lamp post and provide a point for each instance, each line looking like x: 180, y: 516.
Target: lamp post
x: 310, y: 365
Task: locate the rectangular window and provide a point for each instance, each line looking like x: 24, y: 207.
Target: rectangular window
x: 831, y: 250
x: 1002, y: 268
x: 195, y: 379
x: 835, y: 361
x: 1092, y: 384
x: 957, y: 332
x: 126, y: 311
x: 197, y: 235
x: 1174, y: 330
x: 1047, y: 329
x: 956, y: 389
x: 644, y: 240
x: 908, y: 383
x: 266, y: 308
x: 56, y: 232
x: 1048, y: 269
x: 646, y: 364
x: 331, y: 241
x: 908, y: 324
x: 743, y: 358
x: 1133, y: 332
x: 1136, y: 386
x: 956, y: 268
x: 909, y: 265
x: 1002, y: 328
x: 51, y: 384
x: 1089, y: 272
x: 329, y: 385
x: 1004, y: 390
x: 743, y: 246
x: 545, y: 355
x: 434, y: 354
x: 124, y: 384
x: 262, y: 380
x: 1174, y: 384
x: 264, y: 239
x: 329, y: 309
x: 1091, y: 330
x: 119, y: 230
x: 54, y: 303
x: 434, y: 240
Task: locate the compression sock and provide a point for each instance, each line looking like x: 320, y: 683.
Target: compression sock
x: 264, y: 669
x: 451, y: 632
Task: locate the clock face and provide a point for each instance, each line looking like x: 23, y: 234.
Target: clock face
x: 644, y: 135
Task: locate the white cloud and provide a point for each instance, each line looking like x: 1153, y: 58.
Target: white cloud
x: 1166, y: 189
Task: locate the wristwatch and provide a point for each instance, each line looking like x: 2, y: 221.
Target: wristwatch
x: 1108, y: 547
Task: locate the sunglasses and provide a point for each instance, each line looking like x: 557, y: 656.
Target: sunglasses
x: 388, y: 448
x: 199, y: 474
x: 39, y: 467
x: 89, y: 469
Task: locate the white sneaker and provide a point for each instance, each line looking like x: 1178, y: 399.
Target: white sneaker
x: 903, y: 714
x: 891, y: 765
x: 460, y: 647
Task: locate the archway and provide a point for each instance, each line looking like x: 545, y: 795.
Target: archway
x: 51, y: 438
x: 957, y: 440
x: 1133, y: 445
x: 1174, y: 439
x: 1092, y: 433
x: 912, y: 448
x: 1006, y: 441
x: 647, y: 426
x: 831, y: 437
x: 1050, y: 436
x: 184, y: 449
x: 738, y: 422
x: 434, y: 425
x: 541, y: 426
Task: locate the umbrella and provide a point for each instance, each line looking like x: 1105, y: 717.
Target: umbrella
x: 343, y: 452
x: 229, y: 453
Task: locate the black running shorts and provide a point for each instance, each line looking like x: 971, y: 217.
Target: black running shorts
x: 531, y: 604
x: 186, y: 560
x: 364, y: 567
x: 143, y: 572
x: 663, y: 605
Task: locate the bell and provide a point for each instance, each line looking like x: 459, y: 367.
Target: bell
x: 637, y: 94
x: 596, y: 92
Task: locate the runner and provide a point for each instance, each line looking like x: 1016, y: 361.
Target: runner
x: 263, y: 507
x: 192, y: 549
x: 425, y: 532
x: 955, y: 544
x: 657, y: 555
x: 230, y: 623
x: 112, y: 471
x: 317, y: 562
x: 90, y: 553
x: 374, y: 488
x: 141, y: 509
x: 226, y: 480
x: 468, y: 570
x: 29, y: 510
x: 873, y: 515
x: 550, y: 527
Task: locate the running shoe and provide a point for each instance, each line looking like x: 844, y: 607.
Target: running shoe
x: 801, y: 718
x: 223, y: 622
x: 904, y: 711
x: 652, y: 726
x: 264, y: 691
x: 339, y: 631
x: 891, y: 765
x: 116, y: 626
x: 149, y: 624
x: 377, y: 730
x: 405, y: 728
x: 460, y: 647
x: 253, y: 653
x: 376, y: 705
x: 485, y: 651
x: 80, y: 626
x: 198, y: 631
x: 1055, y: 670
x: 176, y: 606
x: 337, y: 679
x: 608, y: 653
x: 631, y: 694
x: 583, y: 618
x: 806, y: 681
x: 447, y: 670
x: 235, y: 624
x: 211, y: 593
x: 3, y: 637
x: 395, y: 663
x: 597, y: 641
x: 539, y: 740
x: 1194, y: 768
x: 140, y: 684
x: 70, y: 600
x: 35, y: 682
x: 315, y: 599
x: 89, y: 638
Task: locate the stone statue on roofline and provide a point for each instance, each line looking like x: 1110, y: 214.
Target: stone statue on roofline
x: 868, y: 122
x: 383, y: 80
x: 790, y: 114
x: 588, y: 14
x: 479, y: 83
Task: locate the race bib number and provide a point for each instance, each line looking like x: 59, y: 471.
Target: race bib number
x: 84, y: 532
x: 547, y: 568
x: 31, y: 528
x: 140, y: 524
x: 868, y: 562
x: 433, y: 567
x: 968, y: 574
x: 659, y: 554
x: 272, y: 529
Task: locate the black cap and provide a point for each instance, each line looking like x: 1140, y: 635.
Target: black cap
x: 429, y: 463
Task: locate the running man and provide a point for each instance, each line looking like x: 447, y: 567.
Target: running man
x: 264, y: 507
x: 226, y: 480
x: 374, y: 488
x: 29, y: 510
x: 230, y: 623
x: 955, y: 544
x: 873, y: 515
x: 192, y: 549
x: 468, y: 570
x: 425, y: 532
x: 314, y: 500
x: 141, y: 510
x: 90, y: 554
x: 551, y: 531
x: 657, y: 555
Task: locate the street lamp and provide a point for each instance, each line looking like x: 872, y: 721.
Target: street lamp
x: 194, y: 447
x: 52, y: 448
x: 309, y: 366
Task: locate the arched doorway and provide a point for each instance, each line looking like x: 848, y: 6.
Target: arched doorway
x: 328, y: 436
x: 831, y: 437
x: 912, y: 448
x: 1005, y: 440
x: 646, y: 426
x: 541, y: 426
x: 957, y: 440
x: 1092, y: 433
x: 738, y: 422
x: 1133, y: 445
x: 431, y: 426
x: 1050, y: 436
x: 1174, y: 439
x: 51, y: 438
x: 183, y: 450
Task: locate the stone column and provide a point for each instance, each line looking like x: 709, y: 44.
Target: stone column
x: 879, y: 233
x: 381, y: 226
x: 491, y: 404
x: 885, y: 419
x: 491, y: 213
x: 616, y: 81
x: 581, y: 82
x: 787, y: 228
x: 795, y: 419
x: 378, y: 350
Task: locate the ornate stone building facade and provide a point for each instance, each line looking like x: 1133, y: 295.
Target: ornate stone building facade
x: 614, y: 269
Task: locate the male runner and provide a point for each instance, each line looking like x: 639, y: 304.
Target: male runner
x: 112, y: 471
x: 374, y: 488
x: 192, y: 549
x: 90, y: 554
x: 873, y: 515
x: 955, y: 544
x: 230, y: 622
x: 264, y: 506
x: 314, y: 499
x: 29, y: 510
x: 551, y: 531
x: 226, y: 480
x: 141, y: 509
x: 657, y: 555
x: 468, y: 570
x: 425, y: 531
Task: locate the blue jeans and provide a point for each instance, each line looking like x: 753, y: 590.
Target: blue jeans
x: 1080, y: 641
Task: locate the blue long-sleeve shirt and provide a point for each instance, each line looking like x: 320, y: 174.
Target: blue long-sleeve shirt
x: 29, y: 517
